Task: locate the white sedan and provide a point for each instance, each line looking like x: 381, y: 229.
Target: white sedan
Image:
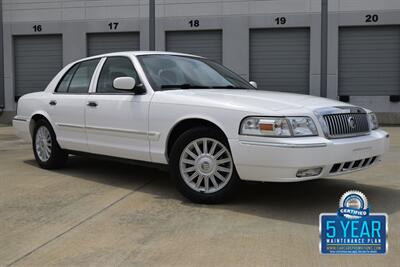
x: 209, y: 125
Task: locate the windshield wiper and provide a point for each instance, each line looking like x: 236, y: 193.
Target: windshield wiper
x: 184, y: 86
x: 225, y: 87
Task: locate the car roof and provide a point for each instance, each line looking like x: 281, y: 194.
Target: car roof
x: 138, y: 53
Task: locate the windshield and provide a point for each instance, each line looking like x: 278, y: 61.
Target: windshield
x: 166, y: 72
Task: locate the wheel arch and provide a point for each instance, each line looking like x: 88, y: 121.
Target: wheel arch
x: 185, y: 124
x: 35, y: 118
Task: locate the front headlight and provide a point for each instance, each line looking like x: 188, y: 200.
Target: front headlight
x: 278, y: 127
x: 303, y: 126
x: 373, y: 121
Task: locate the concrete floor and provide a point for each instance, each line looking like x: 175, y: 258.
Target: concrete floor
x: 99, y: 213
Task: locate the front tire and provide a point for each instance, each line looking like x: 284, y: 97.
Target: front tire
x: 48, y: 153
x: 202, y: 166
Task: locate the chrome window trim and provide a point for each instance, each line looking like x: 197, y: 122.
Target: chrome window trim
x: 96, y: 74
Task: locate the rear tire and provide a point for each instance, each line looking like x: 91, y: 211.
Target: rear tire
x: 202, y: 166
x: 48, y: 153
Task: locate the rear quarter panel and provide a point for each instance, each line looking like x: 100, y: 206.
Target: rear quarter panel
x: 28, y: 106
x: 33, y: 104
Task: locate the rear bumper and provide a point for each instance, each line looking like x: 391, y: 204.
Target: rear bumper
x: 21, y: 126
x: 278, y: 160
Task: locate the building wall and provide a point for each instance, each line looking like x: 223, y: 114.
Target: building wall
x: 1, y: 60
x: 353, y: 13
x: 75, y: 18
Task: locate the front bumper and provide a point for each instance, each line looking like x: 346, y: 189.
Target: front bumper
x: 278, y: 160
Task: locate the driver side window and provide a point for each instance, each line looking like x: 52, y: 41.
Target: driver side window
x: 113, y: 68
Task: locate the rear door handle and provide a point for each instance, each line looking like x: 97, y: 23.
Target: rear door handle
x: 53, y: 103
x: 92, y: 104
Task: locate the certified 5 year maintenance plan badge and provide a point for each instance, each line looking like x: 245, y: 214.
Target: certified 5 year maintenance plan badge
x: 353, y: 229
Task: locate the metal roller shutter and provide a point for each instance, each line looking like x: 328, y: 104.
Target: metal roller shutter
x: 202, y: 43
x: 37, y: 60
x: 102, y: 43
x: 2, y: 100
x: 280, y: 59
x: 369, y: 61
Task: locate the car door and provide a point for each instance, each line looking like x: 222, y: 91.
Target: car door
x: 67, y: 105
x: 117, y: 121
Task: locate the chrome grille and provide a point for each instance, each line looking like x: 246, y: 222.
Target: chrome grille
x: 346, y: 124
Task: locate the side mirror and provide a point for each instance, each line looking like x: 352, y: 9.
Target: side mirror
x: 124, y: 83
x: 254, y: 84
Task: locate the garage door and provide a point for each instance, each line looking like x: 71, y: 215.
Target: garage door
x: 280, y: 59
x: 2, y: 100
x: 102, y: 43
x: 202, y: 43
x: 37, y: 60
x: 369, y: 60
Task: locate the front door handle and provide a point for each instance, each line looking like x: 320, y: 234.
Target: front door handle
x: 92, y: 104
x: 53, y: 103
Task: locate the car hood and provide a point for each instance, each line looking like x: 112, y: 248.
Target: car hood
x: 249, y: 100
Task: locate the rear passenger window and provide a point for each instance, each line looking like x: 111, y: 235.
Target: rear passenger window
x: 82, y: 77
x: 113, y: 68
x: 77, y: 79
x: 66, y: 80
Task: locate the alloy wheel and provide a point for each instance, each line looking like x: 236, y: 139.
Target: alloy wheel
x: 206, y: 165
x: 43, y: 143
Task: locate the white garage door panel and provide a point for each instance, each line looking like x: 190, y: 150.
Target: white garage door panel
x: 280, y: 59
x: 202, y: 43
x: 369, y: 60
x: 37, y: 60
x: 102, y: 43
